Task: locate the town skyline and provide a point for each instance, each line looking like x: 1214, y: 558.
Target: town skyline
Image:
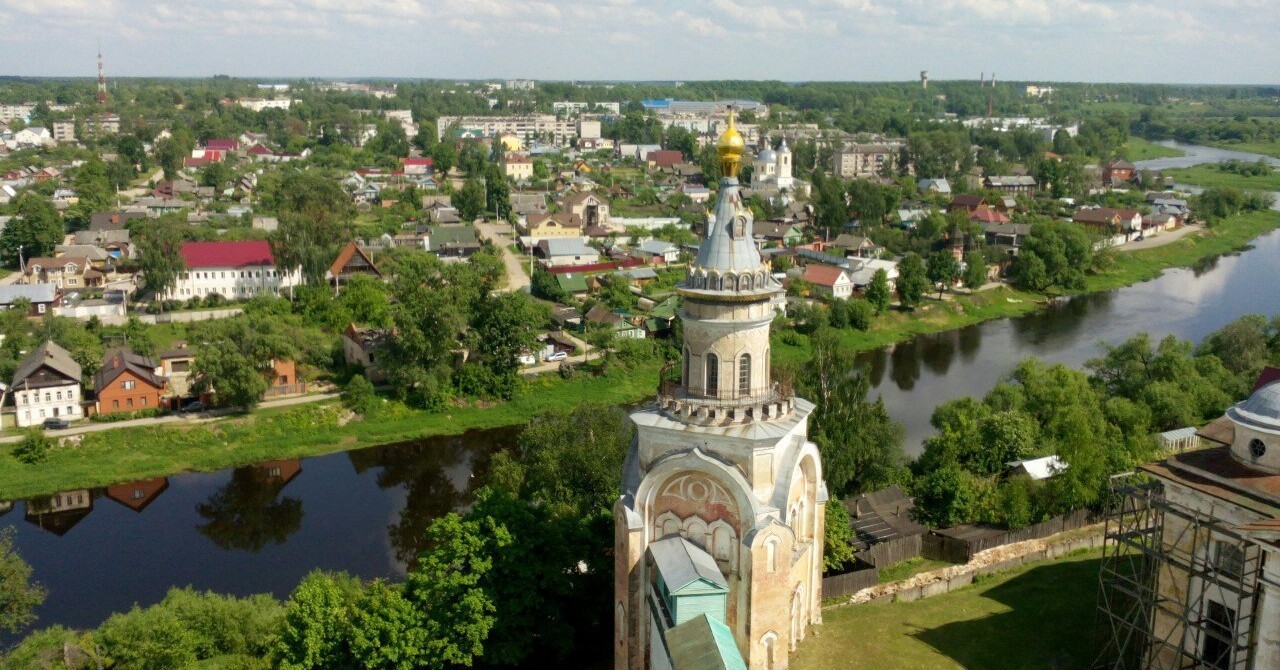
x: 624, y: 40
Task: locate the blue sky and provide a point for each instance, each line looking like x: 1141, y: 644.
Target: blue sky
x: 1209, y: 41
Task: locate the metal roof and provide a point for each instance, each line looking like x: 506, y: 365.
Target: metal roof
x: 1261, y: 410
x: 1041, y: 468
x: 1178, y: 434
x: 681, y: 563
x: 703, y: 643
x: 51, y: 355
x: 45, y: 292
x: 723, y: 251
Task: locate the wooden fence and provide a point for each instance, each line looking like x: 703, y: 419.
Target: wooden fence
x: 893, y: 551
x: 848, y: 583
x: 958, y: 544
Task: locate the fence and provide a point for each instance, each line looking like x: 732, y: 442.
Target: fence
x: 849, y: 583
x: 893, y: 551
x: 596, y: 267
x: 958, y: 544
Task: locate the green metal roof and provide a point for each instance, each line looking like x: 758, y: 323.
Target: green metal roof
x: 703, y: 643
x: 573, y: 283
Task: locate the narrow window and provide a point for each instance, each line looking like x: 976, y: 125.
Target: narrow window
x: 744, y: 375
x: 713, y: 374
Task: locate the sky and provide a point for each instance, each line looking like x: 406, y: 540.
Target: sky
x: 1179, y: 41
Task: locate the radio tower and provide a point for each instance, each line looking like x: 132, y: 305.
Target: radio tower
x: 102, y: 80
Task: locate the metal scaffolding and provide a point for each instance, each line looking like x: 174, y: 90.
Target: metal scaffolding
x: 1162, y: 566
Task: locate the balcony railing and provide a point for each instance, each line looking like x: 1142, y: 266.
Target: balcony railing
x: 684, y: 404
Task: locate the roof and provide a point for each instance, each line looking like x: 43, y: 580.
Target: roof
x: 11, y: 293
x: 940, y: 185
x: 882, y: 515
x: 1121, y: 165
x: 657, y: 247
x: 823, y: 275
x: 227, y: 254
x: 566, y: 246
x: 580, y: 197
x: 968, y: 200
x: 48, y: 355
x: 1104, y: 215
x: 416, y: 160
x: 117, y: 361
x: 1221, y: 430
x: 1007, y: 228
x: 572, y: 283
x: 681, y: 563
x: 442, y: 236
x: 640, y: 273
x: 703, y: 643
x: 1178, y: 434
x: 1261, y: 410
x: 1041, y: 468
x: 775, y: 229
x: 1216, y: 472
x: 847, y: 241
x: 348, y: 252
x: 1011, y: 180
x: 984, y: 215
x: 600, y: 313
x: 665, y: 157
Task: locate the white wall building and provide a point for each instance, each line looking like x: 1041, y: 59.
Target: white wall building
x: 236, y: 270
x: 46, y: 385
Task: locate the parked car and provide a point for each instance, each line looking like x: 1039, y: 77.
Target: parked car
x: 558, y: 356
x: 54, y: 423
x: 194, y: 406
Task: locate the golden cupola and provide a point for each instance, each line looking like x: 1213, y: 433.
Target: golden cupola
x: 730, y: 146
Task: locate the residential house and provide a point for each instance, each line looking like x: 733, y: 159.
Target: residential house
x: 517, y: 167
x: 587, y: 207
x: 867, y: 160
x: 415, y: 166
x: 566, y: 251
x: 984, y: 216
x: 96, y: 256
x: 418, y: 239
x: 862, y: 271
x: 935, y: 186
x: 856, y: 246
x: 910, y: 218
x: 660, y: 250
x: 284, y: 380
x: 1012, y: 184
x: 127, y: 382
x: 664, y: 158
x: 600, y: 315
x: 235, y: 270
x: 528, y: 204
x: 115, y: 243
x: 175, y: 366
x: 46, y: 385
x: 539, y: 226
x: 42, y: 298
x: 573, y: 284
x: 455, y: 241
x: 696, y: 194
x: 780, y: 233
x: 66, y: 272
x: 1124, y: 224
x: 361, y: 346
x: 1117, y: 172
x: 1006, y: 234
x: 968, y: 203
x: 352, y: 261
x: 829, y: 281
x: 1154, y: 223
x: 117, y: 220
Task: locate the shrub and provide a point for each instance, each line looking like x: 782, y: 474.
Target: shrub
x: 860, y: 313
x: 359, y: 396
x: 33, y: 447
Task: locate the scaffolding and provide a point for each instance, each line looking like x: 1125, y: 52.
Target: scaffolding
x: 1166, y: 572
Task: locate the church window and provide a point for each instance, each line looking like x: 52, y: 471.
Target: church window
x: 684, y: 377
x: 1257, y: 448
x: 713, y: 374
x: 695, y: 531
x: 771, y: 555
x: 739, y: 227
x: 744, y: 375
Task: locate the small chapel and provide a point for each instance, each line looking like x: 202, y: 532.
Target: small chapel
x: 719, y: 529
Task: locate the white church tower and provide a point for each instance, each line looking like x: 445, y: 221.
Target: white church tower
x: 719, y: 534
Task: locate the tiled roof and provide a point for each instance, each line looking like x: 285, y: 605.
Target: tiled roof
x: 822, y: 275
x: 118, y: 361
x: 51, y: 355
x: 227, y: 254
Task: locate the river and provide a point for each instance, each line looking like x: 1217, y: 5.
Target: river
x: 262, y: 528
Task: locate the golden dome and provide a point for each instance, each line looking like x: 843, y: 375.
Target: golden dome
x: 730, y: 146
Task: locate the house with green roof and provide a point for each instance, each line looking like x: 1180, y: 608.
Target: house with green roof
x: 687, y: 606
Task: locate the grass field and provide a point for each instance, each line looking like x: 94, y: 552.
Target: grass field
x: 1264, y: 148
x: 1138, y: 149
x: 1038, y: 616
x: 1209, y: 175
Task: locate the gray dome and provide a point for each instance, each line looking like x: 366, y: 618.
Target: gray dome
x: 767, y: 156
x: 1261, y: 410
x: 784, y: 149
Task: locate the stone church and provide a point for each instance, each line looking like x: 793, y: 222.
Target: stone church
x: 719, y: 534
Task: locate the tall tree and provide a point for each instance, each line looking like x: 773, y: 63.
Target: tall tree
x: 912, y: 281
x: 975, y: 271
x: 315, y: 216
x: 19, y: 596
x: 878, y: 293
x: 37, y: 229
x: 159, y: 243
x: 943, y: 269
x: 506, y: 326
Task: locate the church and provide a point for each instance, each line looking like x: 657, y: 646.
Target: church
x: 771, y: 174
x: 719, y: 528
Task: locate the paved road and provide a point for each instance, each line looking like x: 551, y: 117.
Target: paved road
x: 503, y: 236
x: 1160, y: 240
x: 92, y: 427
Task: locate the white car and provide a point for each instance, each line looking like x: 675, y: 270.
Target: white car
x: 558, y: 356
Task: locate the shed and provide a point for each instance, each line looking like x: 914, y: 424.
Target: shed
x: 881, y: 516
x: 689, y: 581
x: 703, y: 643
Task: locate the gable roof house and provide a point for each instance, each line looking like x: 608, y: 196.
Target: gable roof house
x: 856, y: 246
x: 587, y: 207
x: 1118, y: 172
x: 1013, y: 184
x: 829, y: 281
x: 781, y: 233
x: 43, y: 297
x: 552, y: 225
x: 47, y: 385
x: 65, y: 272
x: 1110, y: 220
x: 967, y: 202
x: 660, y: 250
x: 232, y: 269
x: 127, y: 382
x: 566, y: 251
x: 352, y: 261
x: 939, y: 186
x: 454, y: 241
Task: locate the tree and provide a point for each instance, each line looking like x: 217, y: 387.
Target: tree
x: 912, y: 281
x: 160, y: 257
x: 838, y: 539
x: 943, y: 269
x: 945, y: 497
x: 878, y: 293
x: 216, y: 175
x: 861, y: 444
x: 975, y: 271
x: 235, y: 359
x: 444, y: 156
x: 506, y: 326
x: 470, y: 200
x: 36, y: 230
x: 680, y: 139
x: 19, y: 596
x: 315, y: 216
x: 358, y: 395
x: 316, y: 633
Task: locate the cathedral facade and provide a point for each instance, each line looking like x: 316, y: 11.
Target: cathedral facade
x: 720, y: 526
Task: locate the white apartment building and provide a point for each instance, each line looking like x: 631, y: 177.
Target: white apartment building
x: 259, y: 104
x: 236, y: 270
x: 529, y: 128
x: 19, y: 111
x: 46, y: 385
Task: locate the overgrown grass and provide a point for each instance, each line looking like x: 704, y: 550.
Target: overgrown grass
x: 1138, y: 149
x: 1264, y: 148
x: 128, y: 454
x: 909, y: 568
x: 1210, y: 176
x: 1037, y: 616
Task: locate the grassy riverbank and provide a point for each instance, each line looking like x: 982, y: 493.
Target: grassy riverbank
x: 1037, y: 616
x: 1264, y: 148
x: 1138, y: 149
x: 1210, y: 176
x: 129, y: 454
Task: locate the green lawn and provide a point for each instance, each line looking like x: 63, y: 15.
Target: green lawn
x: 129, y: 454
x: 1210, y: 175
x: 1038, y: 616
x: 1138, y: 149
x: 1264, y: 148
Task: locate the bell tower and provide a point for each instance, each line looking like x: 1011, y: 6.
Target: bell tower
x: 723, y: 500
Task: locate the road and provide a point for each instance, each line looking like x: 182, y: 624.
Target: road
x: 503, y: 236
x: 553, y: 366
x: 92, y: 427
x: 1161, y: 239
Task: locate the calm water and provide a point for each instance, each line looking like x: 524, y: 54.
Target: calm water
x: 262, y: 528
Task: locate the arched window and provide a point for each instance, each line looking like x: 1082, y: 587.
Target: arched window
x: 744, y: 375
x: 684, y: 378
x: 713, y: 375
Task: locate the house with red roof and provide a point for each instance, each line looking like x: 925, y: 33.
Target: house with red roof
x: 417, y: 166
x: 235, y: 270
x: 830, y: 281
x: 986, y: 216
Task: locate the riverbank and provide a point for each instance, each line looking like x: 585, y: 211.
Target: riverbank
x: 1209, y: 176
x: 130, y: 454
x: 1138, y: 149
x: 1265, y: 148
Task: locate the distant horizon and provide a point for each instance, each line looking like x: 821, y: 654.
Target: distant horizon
x: 1218, y: 42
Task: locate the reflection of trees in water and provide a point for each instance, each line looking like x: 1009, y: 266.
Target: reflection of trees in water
x: 1062, y: 320
x: 969, y: 340
x: 906, y: 365
x: 439, y: 475
x: 938, y: 351
x: 873, y: 364
x: 245, y: 513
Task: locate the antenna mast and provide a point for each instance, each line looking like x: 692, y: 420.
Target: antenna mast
x: 102, y: 80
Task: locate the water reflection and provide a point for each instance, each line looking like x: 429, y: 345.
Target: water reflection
x: 138, y: 495
x: 247, y: 513
x: 60, y: 512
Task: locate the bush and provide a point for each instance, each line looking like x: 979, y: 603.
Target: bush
x: 33, y: 447
x: 359, y: 396
x: 860, y: 313
x: 214, y: 300
x: 127, y: 416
